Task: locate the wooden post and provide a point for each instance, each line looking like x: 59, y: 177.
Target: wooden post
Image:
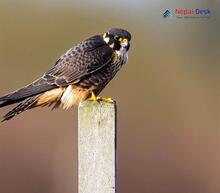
x: 97, y: 147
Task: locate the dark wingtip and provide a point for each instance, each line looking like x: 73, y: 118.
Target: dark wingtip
x: 2, y: 103
x: 8, y: 116
x: 3, y: 120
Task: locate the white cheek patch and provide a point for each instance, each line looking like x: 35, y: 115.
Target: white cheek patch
x: 106, y: 38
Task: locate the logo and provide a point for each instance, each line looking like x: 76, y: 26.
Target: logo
x: 167, y: 14
x: 179, y: 13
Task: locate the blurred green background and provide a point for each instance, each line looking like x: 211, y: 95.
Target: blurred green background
x: 168, y: 95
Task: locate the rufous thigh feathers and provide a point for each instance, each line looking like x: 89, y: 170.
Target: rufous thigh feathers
x: 73, y: 96
x: 68, y: 97
x: 50, y: 97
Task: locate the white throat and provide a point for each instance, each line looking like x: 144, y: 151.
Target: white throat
x: 123, y: 53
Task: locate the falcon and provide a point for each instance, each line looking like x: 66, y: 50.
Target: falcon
x: 79, y: 74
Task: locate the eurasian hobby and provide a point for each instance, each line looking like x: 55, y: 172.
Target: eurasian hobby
x: 80, y: 74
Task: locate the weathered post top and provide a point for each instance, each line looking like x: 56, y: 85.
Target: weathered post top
x: 97, y: 147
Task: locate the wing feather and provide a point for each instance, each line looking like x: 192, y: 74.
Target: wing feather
x: 83, y: 59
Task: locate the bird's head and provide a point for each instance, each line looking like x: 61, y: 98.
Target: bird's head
x: 117, y: 39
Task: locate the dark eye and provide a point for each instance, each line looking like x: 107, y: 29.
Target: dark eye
x: 117, y: 38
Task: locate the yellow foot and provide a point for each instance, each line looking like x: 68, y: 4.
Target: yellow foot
x: 96, y: 98
x: 110, y: 100
x: 93, y: 97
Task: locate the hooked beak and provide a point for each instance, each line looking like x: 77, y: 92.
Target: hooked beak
x: 125, y: 44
